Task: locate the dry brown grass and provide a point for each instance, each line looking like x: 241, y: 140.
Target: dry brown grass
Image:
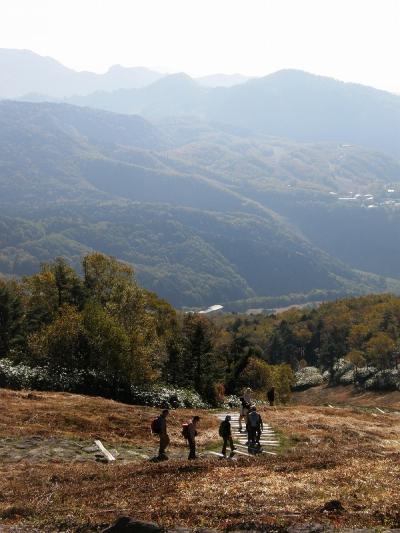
x: 347, y: 395
x: 74, y: 416
x: 327, y: 454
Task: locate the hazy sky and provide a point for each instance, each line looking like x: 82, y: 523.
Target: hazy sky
x: 353, y: 40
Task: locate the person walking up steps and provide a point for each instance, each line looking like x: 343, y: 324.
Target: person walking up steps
x: 225, y: 431
x: 159, y: 427
x: 271, y: 396
x: 189, y: 432
x: 254, y: 426
x: 245, y: 401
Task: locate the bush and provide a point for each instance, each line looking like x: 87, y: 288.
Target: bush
x: 307, y: 377
x: 22, y: 376
x: 348, y: 377
x: 365, y: 372
x: 166, y: 396
x: 341, y: 367
x: 388, y: 380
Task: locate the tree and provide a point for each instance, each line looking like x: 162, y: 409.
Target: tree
x: 356, y: 358
x: 283, y: 346
x: 69, y: 285
x: 40, y: 298
x: 238, y: 354
x: 11, y: 318
x: 105, y: 277
x: 62, y: 343
x: 257, y: 375
x: 380, y: 350
x: 283, y: 379
x: 203, y: 366
x: 358, y: 336
x: 108, y: 346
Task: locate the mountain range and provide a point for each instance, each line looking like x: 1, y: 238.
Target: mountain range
x: 25, y: 73
x: 205, y: 211
x: 289, y: 104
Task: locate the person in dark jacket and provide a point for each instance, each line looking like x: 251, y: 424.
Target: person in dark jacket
x: 271, y: 396
x: 225, y: 431
x: 254, y: 426
x: 245, y: 403
x: 191, y: 436
x: 164, y: 438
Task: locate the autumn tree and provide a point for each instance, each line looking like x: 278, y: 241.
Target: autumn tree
x: 258, y: 375
x: 380, y: 350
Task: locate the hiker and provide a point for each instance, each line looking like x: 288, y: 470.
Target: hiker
x: 189, y: 431
x: 245, y: 402
x: 159, y: 427
x: 254, y: 426
x: 271, y: 396
x: 225, y: 431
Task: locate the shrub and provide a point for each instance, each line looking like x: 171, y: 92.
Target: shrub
x: 166, y: 396
x: 307, y: 377
x: 22, y: 376
x: 384, y: 380
x: 348, y: 377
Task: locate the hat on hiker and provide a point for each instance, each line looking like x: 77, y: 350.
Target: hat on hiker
x: 227, y: 418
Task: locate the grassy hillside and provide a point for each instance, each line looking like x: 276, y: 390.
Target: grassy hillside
x: 348, y: 395
x: 325, y: 454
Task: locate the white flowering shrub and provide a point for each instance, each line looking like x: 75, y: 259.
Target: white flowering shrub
x: 166, y: 396
x: 22, y: 376
x: 384, y: 380
x: 307, y: 377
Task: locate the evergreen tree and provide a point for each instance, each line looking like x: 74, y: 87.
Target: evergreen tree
x: 11, y: 319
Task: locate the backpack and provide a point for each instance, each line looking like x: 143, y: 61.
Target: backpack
x: 185, y: 431
x: 155, y: 426
x: 223, y: 429
x: 254, y: 419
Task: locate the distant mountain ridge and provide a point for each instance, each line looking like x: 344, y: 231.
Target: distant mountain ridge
x: 289, y: 103
x: 23, y: 72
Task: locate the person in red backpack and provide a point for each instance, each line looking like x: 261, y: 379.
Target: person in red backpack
x: 162, y: 431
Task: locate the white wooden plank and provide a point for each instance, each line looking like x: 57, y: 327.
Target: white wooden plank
x: 104, y: 451
x: 243, y: 453
x: 213, y: 453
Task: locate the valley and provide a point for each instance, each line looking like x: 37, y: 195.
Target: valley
x: 204, y: 214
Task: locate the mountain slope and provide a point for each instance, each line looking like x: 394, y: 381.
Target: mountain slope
x: 24, y: 72
x: 289, y: 103
x: 73, y: 180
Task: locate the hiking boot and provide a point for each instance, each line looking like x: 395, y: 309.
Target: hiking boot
x: 163, y: 457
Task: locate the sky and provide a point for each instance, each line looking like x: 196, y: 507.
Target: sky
x: 351, y: 40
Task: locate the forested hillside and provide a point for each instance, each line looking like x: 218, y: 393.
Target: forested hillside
x: 289, y: 103
x: 203, y: 213
x: 101, y: 333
